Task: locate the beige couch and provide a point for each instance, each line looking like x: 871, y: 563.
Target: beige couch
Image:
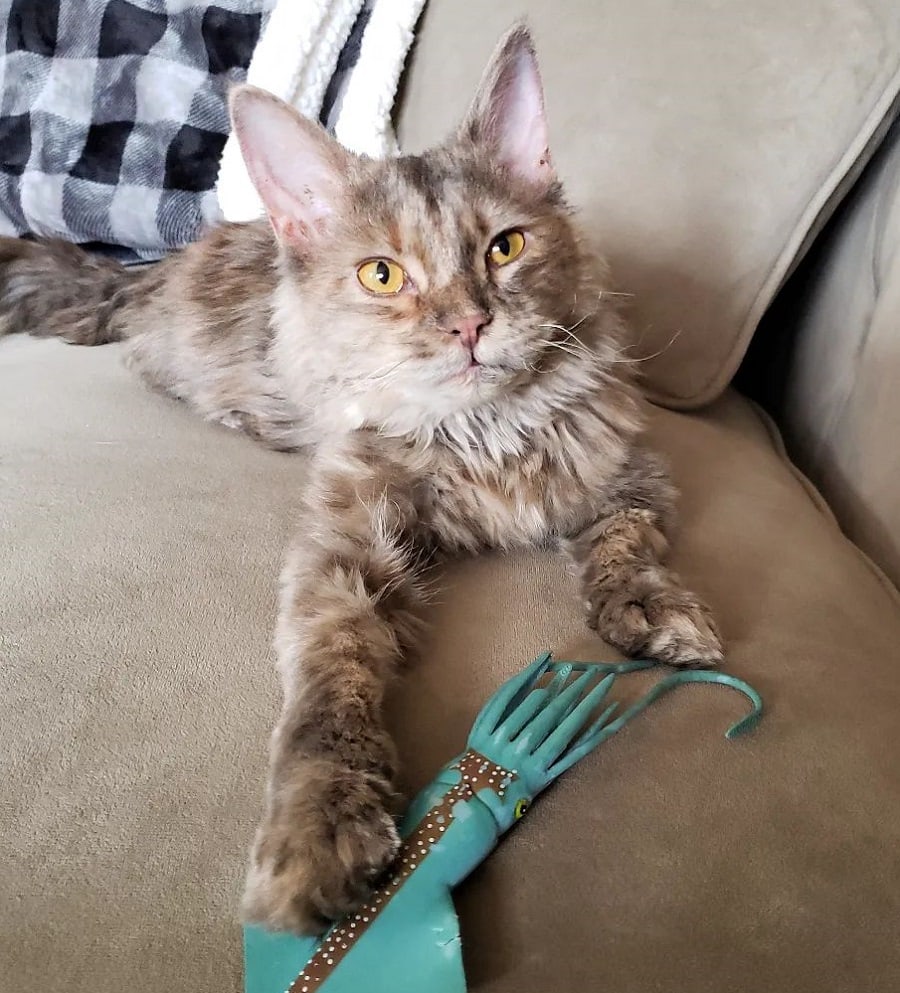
x: 707, y: 144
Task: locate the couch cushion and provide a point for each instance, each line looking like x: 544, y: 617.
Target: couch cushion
x: 138, y: 554
x: 705, y: 143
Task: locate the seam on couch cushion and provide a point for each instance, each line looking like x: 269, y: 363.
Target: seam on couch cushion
x: 840, y: 178
x: 817, y: 499
x: 709, y: 186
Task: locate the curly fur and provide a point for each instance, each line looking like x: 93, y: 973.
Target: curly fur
x: 422, y: 444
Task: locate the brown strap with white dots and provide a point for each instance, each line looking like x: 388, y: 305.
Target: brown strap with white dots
x: 477, y: 773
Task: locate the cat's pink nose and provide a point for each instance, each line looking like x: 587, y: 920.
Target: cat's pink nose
x: 468, y: 329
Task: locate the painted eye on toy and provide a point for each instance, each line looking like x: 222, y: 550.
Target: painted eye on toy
x: 521, y: 808
x: 381, y: 276
x: 506, y: 248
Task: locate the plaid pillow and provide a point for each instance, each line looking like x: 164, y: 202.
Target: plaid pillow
x: 113, y: 116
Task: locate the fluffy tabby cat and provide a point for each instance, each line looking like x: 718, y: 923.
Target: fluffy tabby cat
x: 433, y: 330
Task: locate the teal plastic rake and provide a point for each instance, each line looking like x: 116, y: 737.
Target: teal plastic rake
x: 406, y: 939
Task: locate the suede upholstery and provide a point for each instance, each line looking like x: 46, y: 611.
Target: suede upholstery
x: 138, y: 554
x: 139, y: 551
x: 704, y: 144
x: 838, y: 369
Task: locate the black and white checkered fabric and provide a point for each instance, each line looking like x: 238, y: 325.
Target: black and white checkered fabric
x: 113, y: 116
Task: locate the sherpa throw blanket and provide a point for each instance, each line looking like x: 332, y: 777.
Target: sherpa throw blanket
x: 113, y: 113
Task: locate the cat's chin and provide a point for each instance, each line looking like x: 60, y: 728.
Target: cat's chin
x: 474, y: 372
x: 481, y: 376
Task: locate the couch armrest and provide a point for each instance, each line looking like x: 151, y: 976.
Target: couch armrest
x: 828, y: 362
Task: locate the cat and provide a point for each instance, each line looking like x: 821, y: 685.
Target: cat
x: 433, y: 330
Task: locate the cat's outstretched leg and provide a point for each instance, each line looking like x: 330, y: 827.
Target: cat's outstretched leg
x: 632, y: 600
x: 349, y: 612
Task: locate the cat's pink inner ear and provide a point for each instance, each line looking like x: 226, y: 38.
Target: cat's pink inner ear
x: 294, y: 164
x: 508, y: 111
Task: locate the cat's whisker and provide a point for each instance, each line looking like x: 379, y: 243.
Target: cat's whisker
x: 385, y: 372
x: 571, y: 328
x: 574, y: 347
x: 573, y: 338
x: 578, y: 324
x: 568, y: 349
x: 646, y: 358
x: 534, y: 369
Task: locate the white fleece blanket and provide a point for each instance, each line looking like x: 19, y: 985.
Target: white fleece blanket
x: 297, y: 58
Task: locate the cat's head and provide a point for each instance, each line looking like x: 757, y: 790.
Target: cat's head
x: 421, y: 286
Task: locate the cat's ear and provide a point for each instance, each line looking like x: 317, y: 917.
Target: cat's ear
x: 295, y: 165
x: 507, y: 115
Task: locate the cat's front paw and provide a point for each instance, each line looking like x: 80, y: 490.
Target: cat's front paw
x: 654, y: 617
x: 325, y: 839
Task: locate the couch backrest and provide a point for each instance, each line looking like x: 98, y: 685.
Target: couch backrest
x: 705, y: 143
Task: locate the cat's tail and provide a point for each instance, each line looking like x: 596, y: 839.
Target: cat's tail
x: 53, y: 288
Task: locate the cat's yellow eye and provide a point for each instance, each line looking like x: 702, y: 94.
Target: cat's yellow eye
x: 381, y: 276
x: 506, y: 247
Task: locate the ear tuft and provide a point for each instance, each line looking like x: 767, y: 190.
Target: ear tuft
x: 507, y: 115
x: 298, y: 169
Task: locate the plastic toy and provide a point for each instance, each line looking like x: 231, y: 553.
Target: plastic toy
x: 406, y: 940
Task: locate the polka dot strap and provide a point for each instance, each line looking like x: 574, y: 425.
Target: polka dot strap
x: 476, y: 773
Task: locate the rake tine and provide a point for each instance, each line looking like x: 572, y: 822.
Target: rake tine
x: 600, y: 731
x: 523, y: 714
x: 535, y: 698
x: 569, y: 710
x: 508, y: 697
x: 559, y: 679
x: 744, y: 725
x: 553, y: 717
x: 530, y: 706
x: 601, y: 722
x: 676, y: 679
x: 586, y: 743
x: 562, y: 736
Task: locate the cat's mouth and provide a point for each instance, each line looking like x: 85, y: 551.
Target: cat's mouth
x: 469, y: 372
x: 476, y: 370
